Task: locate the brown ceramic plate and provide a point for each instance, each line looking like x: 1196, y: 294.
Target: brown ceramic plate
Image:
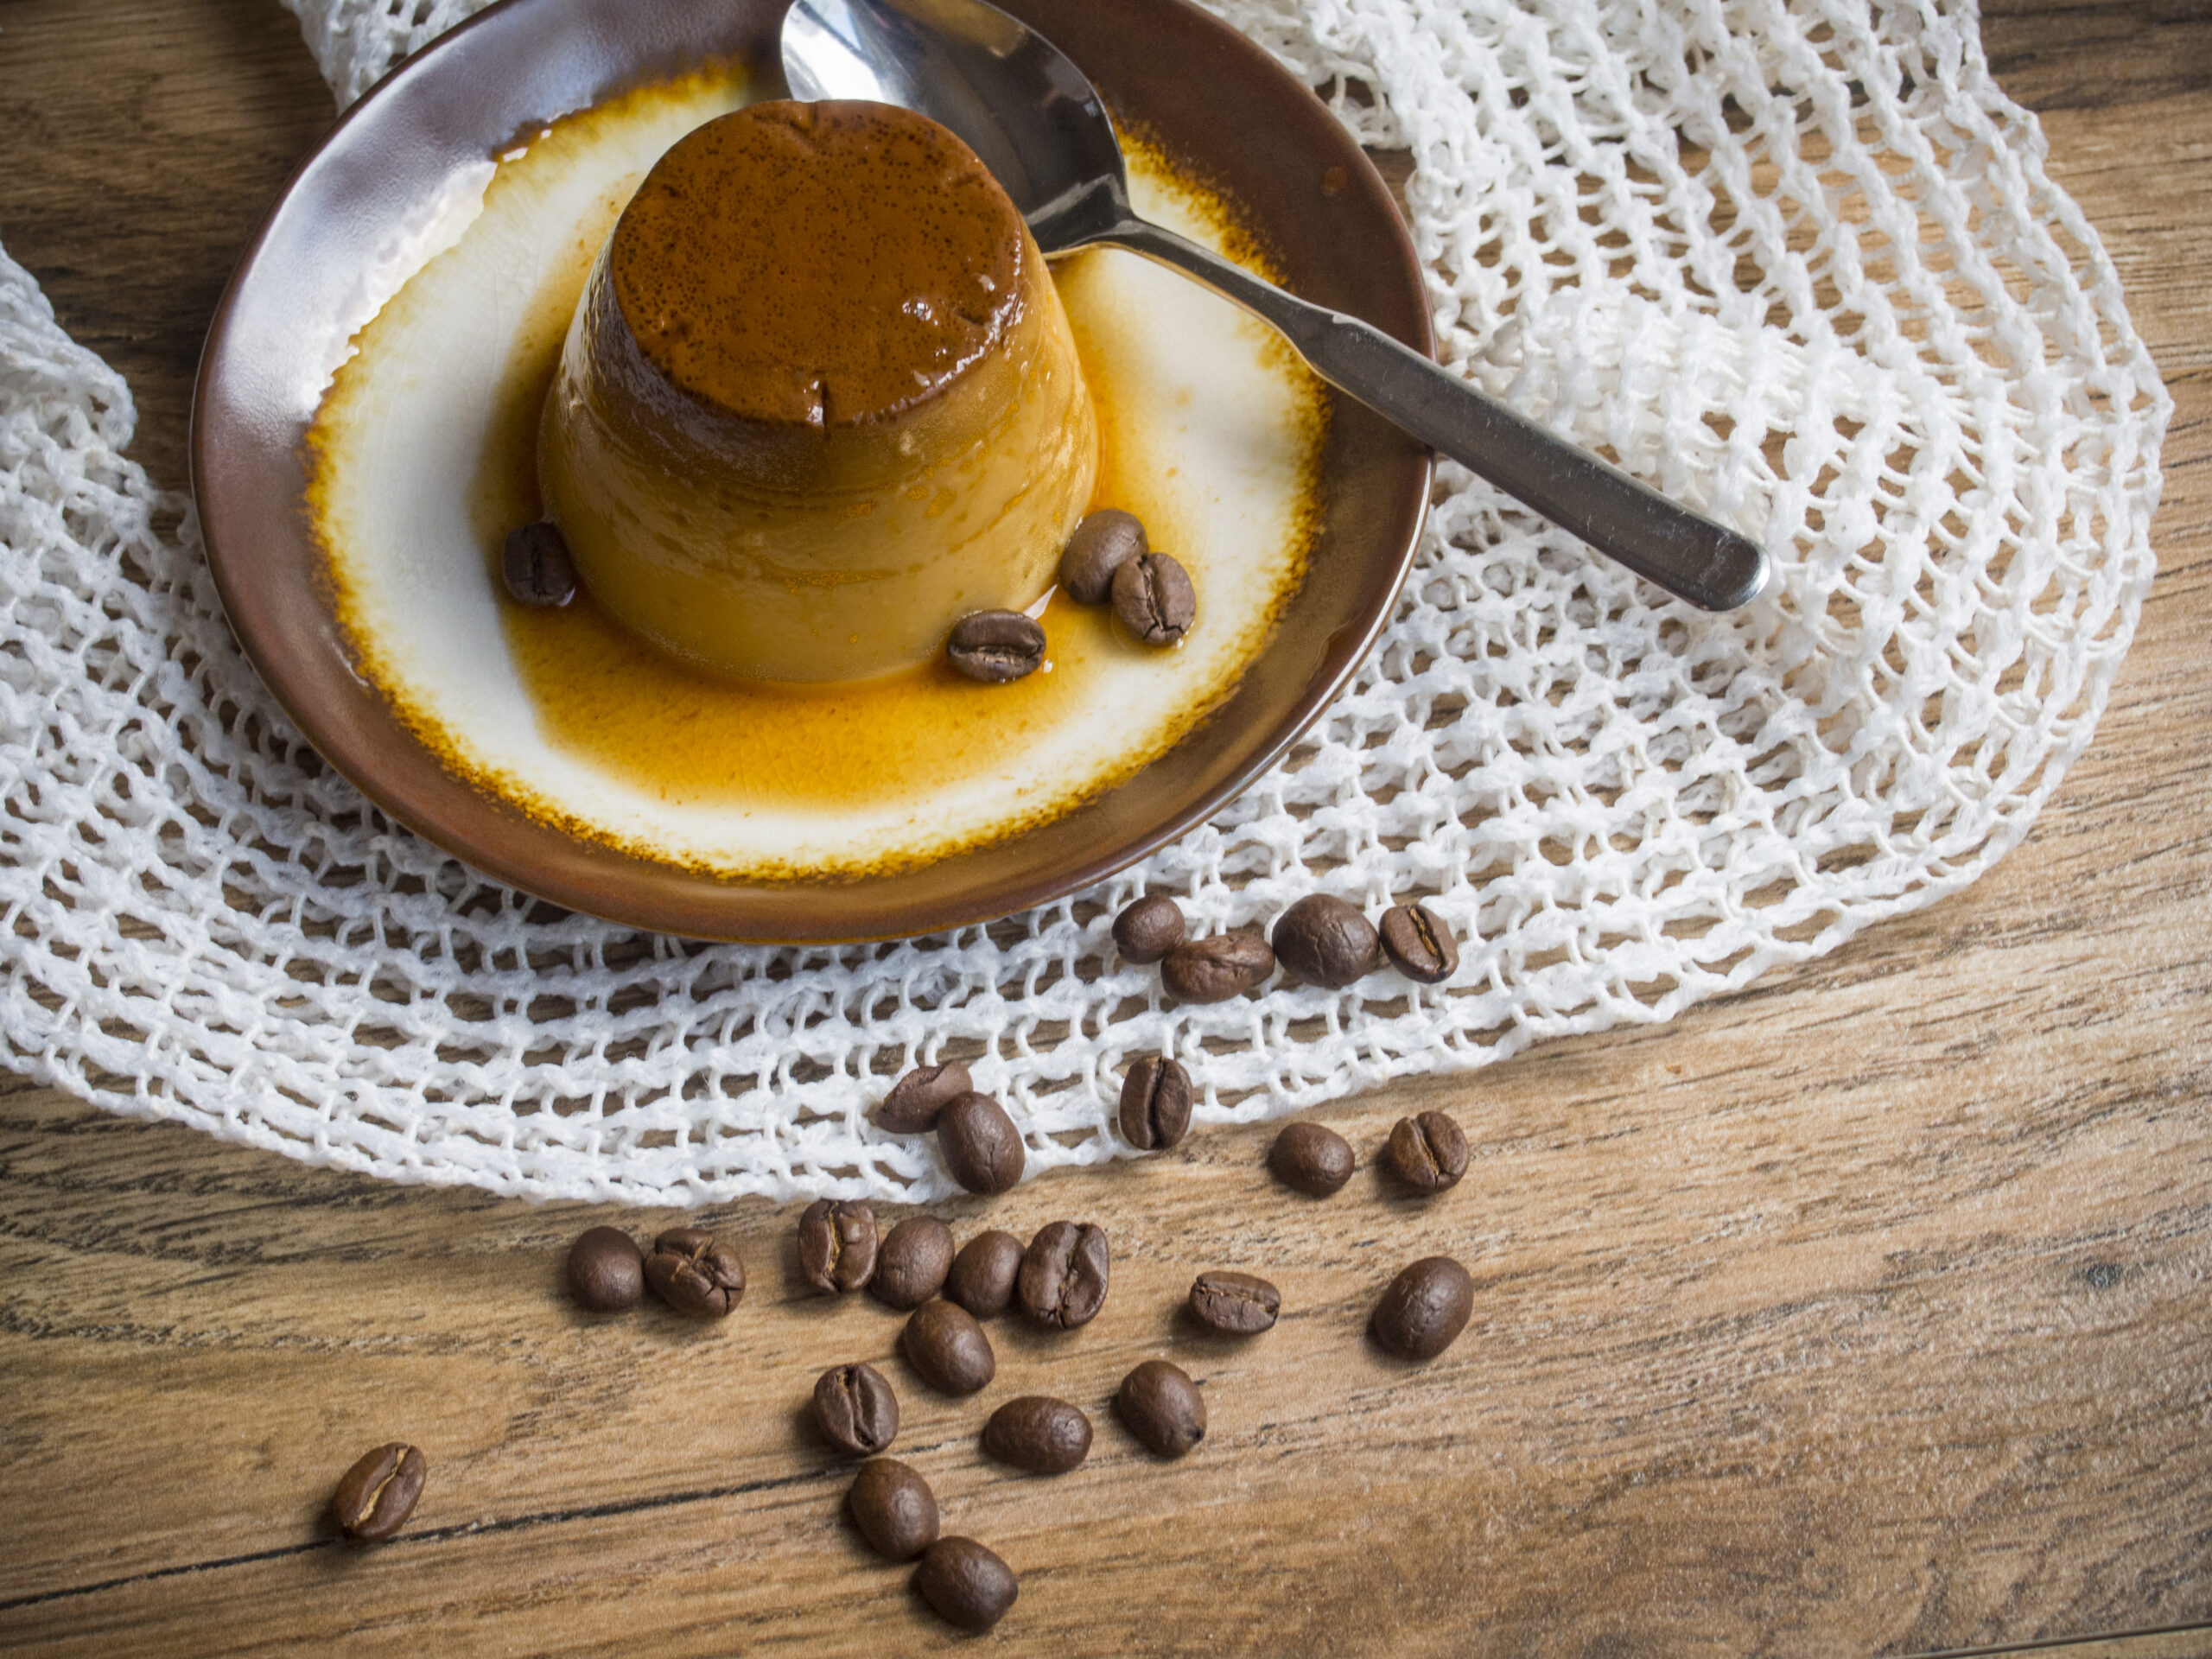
x: 1218, y: 105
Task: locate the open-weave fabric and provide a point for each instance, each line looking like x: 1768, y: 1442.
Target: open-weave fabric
x: 1801, y: 267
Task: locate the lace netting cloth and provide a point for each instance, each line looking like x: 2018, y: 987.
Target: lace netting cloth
x: 1801, y: 267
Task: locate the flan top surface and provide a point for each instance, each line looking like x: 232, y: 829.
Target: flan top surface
x: 817, y: 265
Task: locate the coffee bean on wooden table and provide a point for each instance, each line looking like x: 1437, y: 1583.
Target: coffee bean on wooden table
x: 376, y: 1495
x: 981, y: 1147
x: 1419, y: 944
x: 1215, y: 969
x: 915, y: 1100
x: 1235, y: 1304
x: 893, y: 1508
x: 1102, y: 542
x: 1310, y: 1159
x: 535, y: 566
x: 1062, y: 1282
x: 910, y: 1265
x: 1155, y: 1104
x: 947, y: 1349
x: 1148, y: 929
x: 983, y: 1274
x: 1153, y: 599
x: 1426, y: 1307
x: 1428, y: 1152
x: 837, y: 1245
x: 607, y: 1271
x: 855, y: 1409
x: 1325, y: 941
x: 1159, y: 1404
x: 695, y: 1274
x: 965, y: 1584
x: 995, y: 646
x: 1038, y: 1433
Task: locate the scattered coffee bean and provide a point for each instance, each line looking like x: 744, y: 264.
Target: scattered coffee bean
x: 1155, y: 1104
x: 915, y: 1100
x: 695, y: 1274
x: 1235, y: 1304
x: 995, y: 646
x: 983, y: 1274
x: 1428, y: 1152
x: 981, y: 1147
x: 964, y: 1584
x: 1038, y: 1433
x: 836, y: 1245
x: 1102, y: 542
x: 536, y: 568
x: 1161, y: 1405
x: 947, y: 1349
x: 607, y: 1271
x: 1425, y: 1308
x: 1153, y: 599
x: 893, y: 1508
x: 911, y: 1267
x: 1325, y: 941
x: 1062, y: 1281
x: 376, y: 1495
x: 1148, y: 929
x: 1419, y: 945
x: 1311, y: 1160
x: 855, y: 1409
x: 1215, y: 969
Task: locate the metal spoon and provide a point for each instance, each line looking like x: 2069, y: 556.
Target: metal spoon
x: 1038, y: 126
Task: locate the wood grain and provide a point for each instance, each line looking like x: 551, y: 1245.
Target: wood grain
x: 1870, y: 1309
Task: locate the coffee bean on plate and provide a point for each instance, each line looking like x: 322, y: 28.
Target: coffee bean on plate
x: 995, y: 646
x: 965, y: 1584
x: 1159, y: 1404
x: 1038, y: 1433
x: 1215, y: 969
x: 1426, y: 1307
x: 695, y: 1274
x: 983, y: 1274
x: 1427, y: 1152
x: 855, y: 1409
x: 1062, y: 1282
x: 947, y: 1349
x: 981, y: 1147
x: 1155, y: 1104
x: 1153, y: 599
x: 1148, y: 929
x: 535, y: 566
x: 1102, y: 542
x: 1419, y: 944
x: 893, y: 1508
x: 915, y: 1100
x: 607, y: 1271
x: 1235, y: 1304
x: 1311, y: 1160
x: 376, y: 1495
x: 910, y: 1265
x: 836, y: 1245
x: 1325, y: 941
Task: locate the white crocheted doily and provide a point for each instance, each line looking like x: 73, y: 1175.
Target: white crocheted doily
x: 1801, y: 268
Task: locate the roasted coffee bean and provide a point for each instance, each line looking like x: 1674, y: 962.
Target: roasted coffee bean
x: 947, y: 1349
x: 1215, y: 969
x: 995, y: 646
x: 910, y: 1268
x: 1419, y: 945
x: 983, y: 1274
x: 1311, y: 1160
x: 1155, y: 1104
x: 1425, y: 1308
x: 1148, y: 929
x: 376, y: 1495
x: 1062, y: 1281
x: 1325, y: 941
x: 1102, y: 542
x: 964, y: 1584
x: 536, y: 568
x: 855, y: 1409
x: 1159, y: 1404
x: 1153, y: 599
x: 893, y: 1508
x: 915, y: 1100
x: 1428, y: 1152
x: 1235, y: 1304
x: 836, y: 1245
x: 607, y: 1271
x: 981, y: 1147
x: 1038, y: 1433
x: 695, y: 1274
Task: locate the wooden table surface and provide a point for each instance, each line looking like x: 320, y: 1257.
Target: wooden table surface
x: 1868, y: 1311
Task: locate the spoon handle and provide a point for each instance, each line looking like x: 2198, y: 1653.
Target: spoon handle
x: 1689, y: 555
